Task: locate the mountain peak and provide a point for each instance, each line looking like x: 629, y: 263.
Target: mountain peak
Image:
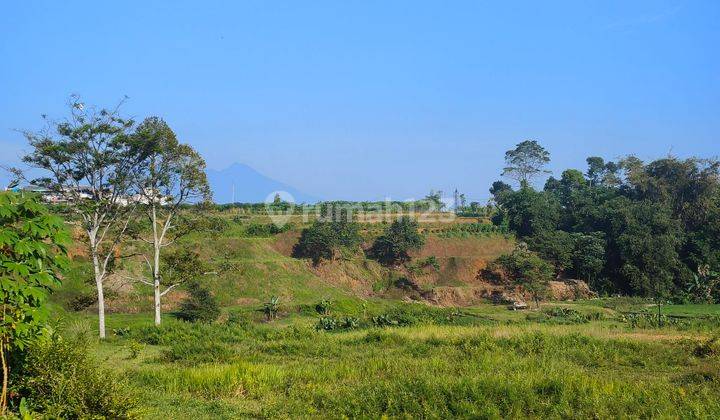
x: 241, y: 183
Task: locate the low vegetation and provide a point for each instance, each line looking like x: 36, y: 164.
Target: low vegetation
x: 571, y: 360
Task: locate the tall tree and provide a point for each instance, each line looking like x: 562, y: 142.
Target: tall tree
x: 89, y: 164
x: 171, y: 174
x: 527, y: 160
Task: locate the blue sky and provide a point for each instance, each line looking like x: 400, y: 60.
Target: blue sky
x: 374, y: 99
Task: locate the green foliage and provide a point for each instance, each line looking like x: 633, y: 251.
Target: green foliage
x: 59, y: 379
x: 32, y: 251
x: 271, y: 308
x: 323, y: 239
x: 134, y: 349
x: 528, y: 212
x: 708, y: 348
x: 703, y: 288
x: 434, y: 200
x: 652, y: 320
x: 81, y: 301
x: 627, y: 227
x: 566, y: 315
x: 555, y: 246
x: 323, y: 307
x: 266, y: 230
x: 526, y: 161
x: 167, y: 171
x: 394, y: 245
x: 527, y: 269
x: 328, y: 323
x: 575, y: 255
x: 200, y: 305
x: 205, y: 222
x: 183, y: 265
x: 464, y: 230
x: 418, y: 268
x: 430, y: 261
x: 195, y: 351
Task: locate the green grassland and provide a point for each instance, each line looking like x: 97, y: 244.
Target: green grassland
x: 377, y: 356
x: 485, y: 361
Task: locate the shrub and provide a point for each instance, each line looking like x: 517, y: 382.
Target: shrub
x: 527, y: 269
x: 58, y: 378
x: 710, y: 347
x: 322, y: 239
x: 265, y: 230
x: 328, y: 323
x: 82, y: 301
x: 323, y: 308
x: 401, y: 237
x: 121, y: 331
x: 134, y: 347
x: 419, y: 266
x: 200, y: 306
x: 651, y: 320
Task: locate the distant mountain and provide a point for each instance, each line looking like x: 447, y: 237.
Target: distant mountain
x: 249, y: 185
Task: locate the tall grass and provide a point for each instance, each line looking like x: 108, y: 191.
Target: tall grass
x: 439, y: 371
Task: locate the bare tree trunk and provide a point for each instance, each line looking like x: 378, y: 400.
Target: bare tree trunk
x: 156, y: 266
x: 100, y: 295
x: 157, y: 301
x: 98, y: 283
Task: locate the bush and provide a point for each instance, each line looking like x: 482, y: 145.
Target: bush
x: 419, y: 267
x: 58, y: 378
x: 82, y: 301
x: 401, y: 237
x: 134, y: 347
x: 322, y: 239
x: 651, y: 320
x: 323, y: 308
x: 200, y: 306
x: 525, y: 268
x: 265, y: 230
x: 707, y: 348
x: 328, y: 323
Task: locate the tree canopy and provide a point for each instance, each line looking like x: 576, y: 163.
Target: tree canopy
x: 526, y: 161
x: 628, y: 227
x: 394, y: 245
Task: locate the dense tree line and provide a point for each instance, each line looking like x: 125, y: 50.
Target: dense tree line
x: 629, y: 227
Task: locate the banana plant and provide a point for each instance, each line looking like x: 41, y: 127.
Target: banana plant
x: 271, y: 307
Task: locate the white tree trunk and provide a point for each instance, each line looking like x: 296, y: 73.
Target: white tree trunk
x: 157, y: 301
x: 99, y: 285
x: 156, y: 283
x: 156, y: 266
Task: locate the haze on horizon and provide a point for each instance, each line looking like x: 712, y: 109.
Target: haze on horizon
x: 368, y: 100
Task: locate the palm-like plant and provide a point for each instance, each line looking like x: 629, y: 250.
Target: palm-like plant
x: 704, y: 283
x: 271, y: 307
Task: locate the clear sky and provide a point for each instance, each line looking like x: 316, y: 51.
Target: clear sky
x: 370, y: 99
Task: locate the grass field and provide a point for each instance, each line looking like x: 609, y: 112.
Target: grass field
x: 377, y: 356
x: 483, y: 362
